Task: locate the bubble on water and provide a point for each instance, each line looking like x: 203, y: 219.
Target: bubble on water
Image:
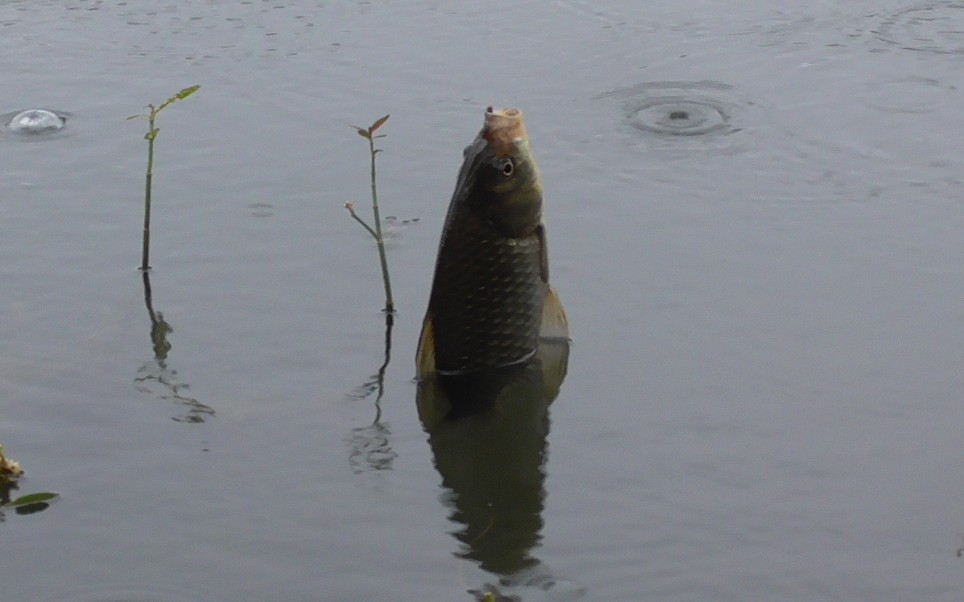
x: 36, y: 121
x: 936, y: 27
x: 685, y: 115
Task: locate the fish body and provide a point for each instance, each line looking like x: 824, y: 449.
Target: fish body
x: 491, y: 301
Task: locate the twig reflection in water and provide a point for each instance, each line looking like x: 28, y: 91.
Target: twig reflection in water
x: 157, y: 370
x: 370, y: 448
x: 488, y: 434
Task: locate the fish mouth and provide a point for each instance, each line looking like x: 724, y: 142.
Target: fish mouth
x: 503, y: 129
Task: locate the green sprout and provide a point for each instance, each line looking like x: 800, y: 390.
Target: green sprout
x: 150, y: 136
x: 376, y: 232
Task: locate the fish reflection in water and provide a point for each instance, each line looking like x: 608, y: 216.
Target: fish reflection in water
x: 488, y: 434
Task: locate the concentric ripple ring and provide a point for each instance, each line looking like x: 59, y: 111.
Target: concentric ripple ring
x: 678, y: 116
x: 685, y: 117
x: 935, y: 27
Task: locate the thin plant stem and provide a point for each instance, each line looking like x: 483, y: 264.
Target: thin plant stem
x: 376, y: 232
x: 151, y: 134
x: 351, y: 211
x: 389, y: 302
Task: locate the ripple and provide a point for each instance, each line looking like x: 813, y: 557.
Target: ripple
x: 136, y: 594
x: 936, y: 27
x: 701, y: 115
x: 912, y: 95
x: 261, y: 210
x: 678, y: 116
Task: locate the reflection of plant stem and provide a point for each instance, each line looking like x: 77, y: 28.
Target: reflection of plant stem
x: 370, y: 445
x: 369, y: 134
x: 376, y: 382
x: 162, y: 374
x: 389, y: 322
x: 159, y: 327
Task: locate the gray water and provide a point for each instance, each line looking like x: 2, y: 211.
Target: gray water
x: 756, y: 228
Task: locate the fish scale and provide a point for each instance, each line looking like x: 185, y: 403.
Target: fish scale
x: 488, y: 309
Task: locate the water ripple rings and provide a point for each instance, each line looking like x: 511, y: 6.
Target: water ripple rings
x: 699, y: 115
x: 935, y: 27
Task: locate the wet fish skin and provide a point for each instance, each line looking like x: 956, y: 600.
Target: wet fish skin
x: 491, y: 284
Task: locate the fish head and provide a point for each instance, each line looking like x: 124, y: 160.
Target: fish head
x: 500, y: 178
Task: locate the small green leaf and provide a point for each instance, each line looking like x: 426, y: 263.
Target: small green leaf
x: 379, y: 123
x: 364, y: 134
x: 34, y: 498
x: 179, y: 96
x: 188, y: 91
x: 136, y: 116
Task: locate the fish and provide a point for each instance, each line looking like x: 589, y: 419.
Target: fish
x: 491, y: 303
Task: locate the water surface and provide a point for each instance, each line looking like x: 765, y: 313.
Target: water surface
x: 763, y: 395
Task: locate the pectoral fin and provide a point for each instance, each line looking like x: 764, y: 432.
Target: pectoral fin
x: 554, y: 322
x: 425, y: 357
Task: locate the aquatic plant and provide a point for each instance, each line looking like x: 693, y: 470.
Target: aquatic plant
x: 369, y: 134
x: 150, y: 136
x: 10, y: 471
x: 8, y: 468
x: 29, y: 504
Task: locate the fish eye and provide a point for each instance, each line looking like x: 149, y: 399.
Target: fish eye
x: 507, y: 167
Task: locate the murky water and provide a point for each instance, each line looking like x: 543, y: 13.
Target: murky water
x: 755, y: 216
